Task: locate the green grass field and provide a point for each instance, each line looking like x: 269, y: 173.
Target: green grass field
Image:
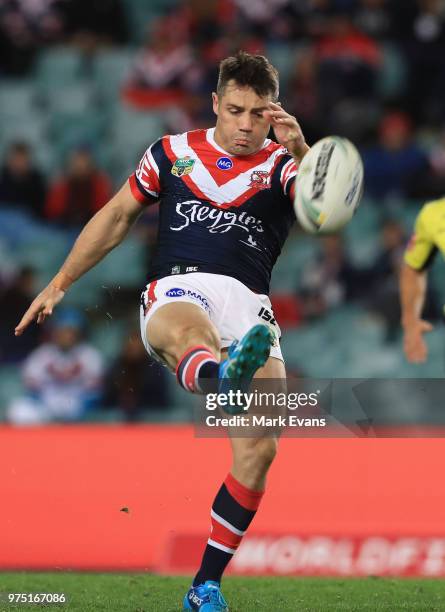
x: 148, y: 593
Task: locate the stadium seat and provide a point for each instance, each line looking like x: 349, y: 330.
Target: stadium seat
x: 69, y: 130
x: 59, y: 67
x: 142, y: 14
x: 108, y: 336
x: 284, y: 57
x: 109, y: 72
x: 76, y: 98
x: 123, y: 267
x: 131, y: 133
x: 297, y: 252
x: 17, y: 98
x: 10, y: 386
x: 32, y: 129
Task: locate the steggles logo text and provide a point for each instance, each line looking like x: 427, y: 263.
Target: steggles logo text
x: 220, y: 221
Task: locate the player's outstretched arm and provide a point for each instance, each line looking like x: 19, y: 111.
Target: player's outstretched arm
x: 102, y: 233
x: 413, y: 285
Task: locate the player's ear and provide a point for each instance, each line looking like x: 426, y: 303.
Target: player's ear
x: 215, y: 102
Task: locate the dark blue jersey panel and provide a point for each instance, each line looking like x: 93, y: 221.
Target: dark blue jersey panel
x: 195, y: 234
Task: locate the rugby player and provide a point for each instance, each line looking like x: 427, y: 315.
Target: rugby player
x: 428, y: 239
x: 225, y: 211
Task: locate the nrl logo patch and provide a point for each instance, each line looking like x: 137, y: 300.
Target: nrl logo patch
x: 259, y: 179
x: 183, y: 166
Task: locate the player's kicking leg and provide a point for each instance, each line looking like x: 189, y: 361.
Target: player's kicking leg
x: 234, y: 507
x: 185, y: 338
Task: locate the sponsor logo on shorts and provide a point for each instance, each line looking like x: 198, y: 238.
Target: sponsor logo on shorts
x: 224, y: 163
x: 194, y: 295
x: 175, y: 292
x: 267, y: 315
x: 183, y: 166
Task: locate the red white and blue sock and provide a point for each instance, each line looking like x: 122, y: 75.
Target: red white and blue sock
x: 232, y: 512
x: 196, y: 365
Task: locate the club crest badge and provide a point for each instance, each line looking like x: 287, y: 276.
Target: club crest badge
x: 183, y: 166
x: 260, y: 179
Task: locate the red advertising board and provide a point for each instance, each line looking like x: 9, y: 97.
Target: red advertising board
x: 138, y: 497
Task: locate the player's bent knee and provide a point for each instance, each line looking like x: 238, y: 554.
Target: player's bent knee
x: 186, y: 336
x: 175, y: 328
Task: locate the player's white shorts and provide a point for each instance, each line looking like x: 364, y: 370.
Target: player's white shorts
x: 230, y: 305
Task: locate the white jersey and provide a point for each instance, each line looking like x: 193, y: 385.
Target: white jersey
x: 60, y: 381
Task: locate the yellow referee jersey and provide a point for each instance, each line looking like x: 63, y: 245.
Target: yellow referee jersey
x: 428, y: 237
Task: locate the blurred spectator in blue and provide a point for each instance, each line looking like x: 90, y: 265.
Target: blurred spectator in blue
x: 62, y: 378
x: 382, y: 296
x: 396, y: 167
x: 79, y: 193
x: 135, y: 383
x: 25, y: 25
x: 330, y: 279
x: 21, y: 183
x: 96, y: 23
x: 16, y: 298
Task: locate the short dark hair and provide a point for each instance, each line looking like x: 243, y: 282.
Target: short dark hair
x: 248, y: 70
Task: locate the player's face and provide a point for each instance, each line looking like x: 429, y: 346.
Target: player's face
x: 242, y: 121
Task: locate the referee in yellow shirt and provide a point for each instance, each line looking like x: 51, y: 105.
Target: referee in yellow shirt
x: 427, y: 240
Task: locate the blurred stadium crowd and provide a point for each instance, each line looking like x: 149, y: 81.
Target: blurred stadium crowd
x: 86, y: 87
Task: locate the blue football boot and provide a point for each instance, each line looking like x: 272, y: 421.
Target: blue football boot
x: 244, y: 359
x: 205, y: 597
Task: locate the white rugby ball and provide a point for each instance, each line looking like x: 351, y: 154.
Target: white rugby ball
x: 329, y: 185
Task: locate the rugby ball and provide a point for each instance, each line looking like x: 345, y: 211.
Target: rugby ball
x: 329, y: 185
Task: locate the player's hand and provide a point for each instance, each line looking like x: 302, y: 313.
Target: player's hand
x: 287, y: 131
x: 414, y: 344
x: 41, y: 308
